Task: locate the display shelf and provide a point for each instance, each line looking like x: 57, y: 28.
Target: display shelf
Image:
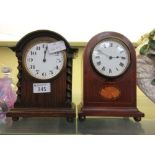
x: 92, y: 125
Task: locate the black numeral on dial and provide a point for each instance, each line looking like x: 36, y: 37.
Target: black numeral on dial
x: 123, y: 58
x: 110, y: 71
x: 44, y: 74
x: 121, y: 64
x: 97, y: 57
x: 38, y: 48
x: 51, y: 72
x: 99, y: 63
x: 33, y: 53
x: 32, y: 67
x: 37, y: 71
x: 103, y: 68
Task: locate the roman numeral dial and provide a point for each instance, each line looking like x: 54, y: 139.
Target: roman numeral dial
x: 110, y: 57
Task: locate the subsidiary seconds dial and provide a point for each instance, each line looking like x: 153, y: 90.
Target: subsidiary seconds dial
x: 41, y: 63
x: 110, y: 57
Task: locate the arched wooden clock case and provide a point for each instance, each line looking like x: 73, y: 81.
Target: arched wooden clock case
x: 95, y: 85
x: 58, y: 102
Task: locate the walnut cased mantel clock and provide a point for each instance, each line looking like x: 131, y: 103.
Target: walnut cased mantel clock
x: 45, y: 76
x: 109, y: 77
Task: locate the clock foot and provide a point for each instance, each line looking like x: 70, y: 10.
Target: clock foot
x: 70, y: 119
x: 82, y: 118
x: 15, y: 118
x: 137, y: 119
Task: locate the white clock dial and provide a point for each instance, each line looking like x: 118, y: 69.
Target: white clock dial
x: 111, y: 57
x: 42, y: 64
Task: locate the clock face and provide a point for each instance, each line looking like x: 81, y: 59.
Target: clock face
x: 110, y: 57
x: 40, y: 62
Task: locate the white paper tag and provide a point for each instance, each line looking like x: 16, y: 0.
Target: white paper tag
x: 41, y: 88
x: 56, y: 46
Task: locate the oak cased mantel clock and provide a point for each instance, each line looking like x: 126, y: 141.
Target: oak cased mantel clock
x: 109, y: 77
x: 45, y: 76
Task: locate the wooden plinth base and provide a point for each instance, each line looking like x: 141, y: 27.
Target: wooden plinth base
x: 36, y: 112
x: 109, y: 111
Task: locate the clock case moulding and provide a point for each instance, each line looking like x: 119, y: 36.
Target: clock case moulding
x: 93, y: 103
x: 56, y: 104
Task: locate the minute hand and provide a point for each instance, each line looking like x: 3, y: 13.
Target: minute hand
x: 103, y: 53
x: 44, y: 59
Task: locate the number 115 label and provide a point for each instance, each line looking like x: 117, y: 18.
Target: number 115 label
x: 41, y: 88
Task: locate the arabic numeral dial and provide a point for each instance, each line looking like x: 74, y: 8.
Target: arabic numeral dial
x: 42, y: 64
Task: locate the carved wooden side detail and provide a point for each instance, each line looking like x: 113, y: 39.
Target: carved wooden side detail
x: 19, y: 76
x: 69, y: 81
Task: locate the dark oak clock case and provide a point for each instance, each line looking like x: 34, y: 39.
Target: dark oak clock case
x: 56, y: 103
x: 93, y: 103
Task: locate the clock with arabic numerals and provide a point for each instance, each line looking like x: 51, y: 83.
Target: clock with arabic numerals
x: 45, y: 76
x: 110, y: 69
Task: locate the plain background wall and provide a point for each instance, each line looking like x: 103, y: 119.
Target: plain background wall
x: 77, y: 20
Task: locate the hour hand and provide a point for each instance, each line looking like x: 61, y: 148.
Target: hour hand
x: 119, y: 57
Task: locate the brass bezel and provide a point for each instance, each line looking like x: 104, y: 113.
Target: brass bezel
x: 33, y: 42
x: 117, y: 39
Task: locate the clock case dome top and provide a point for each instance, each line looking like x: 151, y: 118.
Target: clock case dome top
x: 56, y: 103
x: 94, y: 102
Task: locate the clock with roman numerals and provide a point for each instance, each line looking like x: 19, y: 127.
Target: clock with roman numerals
x: 45, y: 76
x: 110, y: 69
x: 110, y: 57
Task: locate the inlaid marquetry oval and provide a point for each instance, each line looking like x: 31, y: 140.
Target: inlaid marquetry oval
x: 110, y: 92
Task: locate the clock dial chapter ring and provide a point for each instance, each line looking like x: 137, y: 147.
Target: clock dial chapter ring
x: 110, y: 57
x: 39, y: 62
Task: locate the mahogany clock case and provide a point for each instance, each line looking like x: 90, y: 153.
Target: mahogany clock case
x: 58, y: 102
x: 94, y: 104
